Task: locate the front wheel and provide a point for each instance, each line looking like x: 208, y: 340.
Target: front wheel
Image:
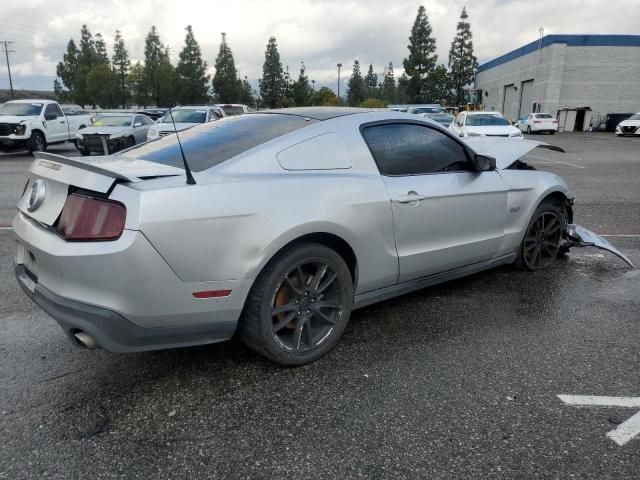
x: 543, y: 237
x: 37, y: 143
x: 299, y: 305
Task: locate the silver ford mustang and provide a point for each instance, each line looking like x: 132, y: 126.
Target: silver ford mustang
x: 276, y: 225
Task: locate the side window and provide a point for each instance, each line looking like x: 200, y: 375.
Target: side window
x: 52, y: 109
x: 409, y: 149
x: 144, y: 119
x: 59, y: 111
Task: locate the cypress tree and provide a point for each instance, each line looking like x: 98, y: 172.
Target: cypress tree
x: 272, y: 83
x: 439, y: 85
x: 422, y: 58
x: 101, y: 50
x: 158, y: 71
x: 355, y: 94
x: 389, y: 85
x: 121, y: 65
x: 87, y: 58
x: 371, y: 84
x: 226, y: 85
x: 136, y: 85
x: 193, y: 81
x: 462, y: 62
x: 68, y: 67
x: 302, y: 88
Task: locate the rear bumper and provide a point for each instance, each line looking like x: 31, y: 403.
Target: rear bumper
x: 122, y: 293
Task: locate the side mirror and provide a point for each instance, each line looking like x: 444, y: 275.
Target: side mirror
x: 459, y: 123
x: 50, y: 116
x: 484, y: 163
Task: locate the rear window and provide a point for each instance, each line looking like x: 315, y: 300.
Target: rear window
x: 231, y: 110
x: 212, y: 143
x: 543, y: 115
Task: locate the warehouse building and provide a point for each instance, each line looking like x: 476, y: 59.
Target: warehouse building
x: 583, y: 79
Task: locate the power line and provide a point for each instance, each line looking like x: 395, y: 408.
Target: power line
x: 6, y: 54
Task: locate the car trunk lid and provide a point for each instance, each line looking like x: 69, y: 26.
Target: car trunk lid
x: 52, y: 176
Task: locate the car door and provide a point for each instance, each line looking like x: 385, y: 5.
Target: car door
x: 446, y: 214
x: 56, y: 122
x: 141, y: 126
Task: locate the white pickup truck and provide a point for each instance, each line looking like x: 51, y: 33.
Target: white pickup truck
x: 35, y: 124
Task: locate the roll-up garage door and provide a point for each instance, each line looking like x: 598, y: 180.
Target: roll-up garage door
x: 510, y: 105
x: 526, y: 98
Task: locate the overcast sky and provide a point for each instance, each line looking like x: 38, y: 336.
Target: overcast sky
x: 319, y: 32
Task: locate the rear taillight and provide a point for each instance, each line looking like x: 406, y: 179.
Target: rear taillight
x: 87, y: 218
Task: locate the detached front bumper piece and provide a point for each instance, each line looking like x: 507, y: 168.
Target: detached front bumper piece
x: 581, y: 237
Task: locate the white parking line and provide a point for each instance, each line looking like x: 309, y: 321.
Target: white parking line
x: 632, y: 235
x: 555, y: 161
x: 6, y: 228
x: 627, y: 430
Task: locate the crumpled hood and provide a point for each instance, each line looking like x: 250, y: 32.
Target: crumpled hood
x: 102, y: 130
x: 14, y: 119
x: 505, y: 150
x: 168, y: 127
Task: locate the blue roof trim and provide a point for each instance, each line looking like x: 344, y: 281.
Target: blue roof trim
x: 570, y: 41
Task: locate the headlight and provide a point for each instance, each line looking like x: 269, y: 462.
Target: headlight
x: 20, y: 129
x: 519, y: 134
x: 115, y: 136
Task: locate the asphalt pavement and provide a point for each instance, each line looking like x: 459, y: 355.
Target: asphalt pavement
x: 455, y: 381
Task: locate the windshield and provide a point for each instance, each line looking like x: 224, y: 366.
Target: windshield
x: 440, y: 117
x: 113, y: 121
x: 21, y: 109
x: 212, y: 143
x: 486, y: 120
x: 231, y: 110
x: 543, y: 115
x: 185, y: 116
x: 635, y: 116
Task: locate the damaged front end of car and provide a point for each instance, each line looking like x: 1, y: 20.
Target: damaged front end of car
x: 578, y: 236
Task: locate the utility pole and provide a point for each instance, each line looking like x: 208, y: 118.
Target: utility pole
x: 6, y: 53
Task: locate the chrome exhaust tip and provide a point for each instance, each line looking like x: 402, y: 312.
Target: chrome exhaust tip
x: 85, y: 340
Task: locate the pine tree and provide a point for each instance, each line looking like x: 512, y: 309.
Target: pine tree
x: 356, y: 85
x: 272, y: 83
x: 302, y: 89
x: 246, y: 93
x: 287, y: 94
x: 462, y: 62
x: 439, y: 85
x: 422, y: 58
x: 68, y: 67
x: 101, y: 49
x: 101, y: 83
x: 402, y: 96
x: 389, y: 85
x: 158, y: 71
x: 191, y: 72
x: 371, y: 84
x: 226, y: 85
x: 121, y: 65
x: 136, y: 85
x: 87, y: 58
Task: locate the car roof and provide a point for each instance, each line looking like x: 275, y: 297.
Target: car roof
x: 318, y: 113
x: 484, y: 113
x: 116, y: 114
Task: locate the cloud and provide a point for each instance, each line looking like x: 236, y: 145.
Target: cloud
x: 319, y: 32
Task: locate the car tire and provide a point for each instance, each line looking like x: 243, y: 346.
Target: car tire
x: 529, y: 129
x: 543, y: 238
x: 84, y: 151
x: 36, y: 143
x: 552, y: 132
x: 298, y: 306
x: 130, y: 142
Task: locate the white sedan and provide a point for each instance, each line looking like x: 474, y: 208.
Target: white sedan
x: 630, y: 126
x: 181, y: 118
x: 483, y: 124
x: 538, y: 123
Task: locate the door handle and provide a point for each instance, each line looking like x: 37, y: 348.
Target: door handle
x: 62, y: 121
x: 411, y: 197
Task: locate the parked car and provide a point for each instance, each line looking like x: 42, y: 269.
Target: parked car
x: 297, y: 217
x: 181, y: 118
x: 112, y: 132
x: 442, y: 118
x: 232, y: 109
x: 428, y: 108
x: 490, y: 124
x: 36, y: 124
x: 537, y: 123
x: 630, y: 126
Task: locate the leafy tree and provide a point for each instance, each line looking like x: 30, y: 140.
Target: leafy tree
x: 301, y: 89
x: 121, y: 65
x: 439, y: 85
x: 246, y: 93
x: 389, y: 85
x: 159, y: 76
x: 371, y: 84
x: 272, y: 83
x: 67, y: 69
x: 136, y: 85
x: 191, y: 72
x: 422, y: 58
x: 462, y: 61
x: 374, y: 103
x: 355, y: 94
x: 325, y: 97
x: 226, y: 85
x: 101, y: 82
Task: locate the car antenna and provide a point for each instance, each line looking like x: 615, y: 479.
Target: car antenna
x: 190, y: 179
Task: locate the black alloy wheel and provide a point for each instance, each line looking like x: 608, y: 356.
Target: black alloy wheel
x: 542, y: 240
